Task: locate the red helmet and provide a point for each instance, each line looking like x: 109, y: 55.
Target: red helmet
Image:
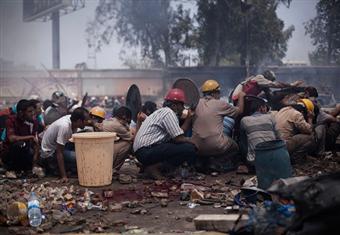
x: 175, y: 94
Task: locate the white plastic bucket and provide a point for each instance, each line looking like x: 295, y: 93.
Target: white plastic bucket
x: 94, y: 154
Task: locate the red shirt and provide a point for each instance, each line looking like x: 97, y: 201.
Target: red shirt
x: 16, y: 126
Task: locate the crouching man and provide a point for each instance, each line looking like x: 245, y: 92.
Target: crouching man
x: 55, y: 138
x: 119, y: 124
x: 295, y: 126
x: 160, y: 139
x: 21, y: 144
x: 257, y: 128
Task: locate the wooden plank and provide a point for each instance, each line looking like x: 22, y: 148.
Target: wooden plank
x: 221, y: 223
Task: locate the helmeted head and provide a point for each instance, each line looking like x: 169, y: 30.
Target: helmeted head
x: 210, y: 86
x: 98, y: 113
x: 59, y: 98
x: 175, y: 100
x: 175, y: 94
x: 308, y: 104
x: 270, y: 75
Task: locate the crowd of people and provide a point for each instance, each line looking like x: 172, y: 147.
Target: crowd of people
x: 216, y: 136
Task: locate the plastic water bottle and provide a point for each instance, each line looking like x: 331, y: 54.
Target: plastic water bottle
x: 34, y: 212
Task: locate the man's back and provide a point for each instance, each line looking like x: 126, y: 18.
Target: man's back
x: 258, y: 128
x: 161, y: 126
x: 59, y: 132
x: 208, y: 119
x: 291, y: 122
x: 113, y: 125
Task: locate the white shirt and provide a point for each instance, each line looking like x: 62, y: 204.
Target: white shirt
x: 59, y: 132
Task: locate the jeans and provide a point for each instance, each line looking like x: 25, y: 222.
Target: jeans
x: 19, y: 157
x: 51, y: 163
x: 172, y: 153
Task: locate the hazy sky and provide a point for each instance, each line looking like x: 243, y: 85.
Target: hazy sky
x: 30, y: 43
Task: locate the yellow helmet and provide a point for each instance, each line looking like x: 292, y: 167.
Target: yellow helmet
x: 210, y: 85
x: 98, y: 111
x: 308, y: 104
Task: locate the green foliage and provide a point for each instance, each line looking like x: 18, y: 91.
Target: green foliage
x: 234, y: 29
x: 324, y: 30
x: 159, y: 30
x: 223, y: 31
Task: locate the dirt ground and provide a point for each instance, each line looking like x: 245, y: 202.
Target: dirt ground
x: 140, y: 206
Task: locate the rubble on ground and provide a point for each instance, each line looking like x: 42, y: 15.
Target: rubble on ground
x: 140, y: 206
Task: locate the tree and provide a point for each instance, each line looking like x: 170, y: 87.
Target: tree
x: 217, y: 30
x: 159, y: 30
x: 324, y: 30
x: 249, y: 31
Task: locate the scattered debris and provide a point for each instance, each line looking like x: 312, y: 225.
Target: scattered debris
x: 251, y: 182
x: 164, y: 202
x: 116, y: 208
x: 192, y: 205
x: 196, y: 195
x: 160, y: 194
x: 108, y: 193
x: 214, y: 174
x: 17, y: 214
x: 38, y: 171
x: 11, y: 175
x: 125, y: 179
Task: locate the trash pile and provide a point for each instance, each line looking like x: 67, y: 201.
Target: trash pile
x: 299, y: 205
x: 65, y: 204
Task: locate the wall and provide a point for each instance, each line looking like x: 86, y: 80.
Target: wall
x: 22, y: 84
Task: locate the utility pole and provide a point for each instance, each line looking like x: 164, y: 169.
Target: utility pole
x: 245, y: 7
x: 56, y: 40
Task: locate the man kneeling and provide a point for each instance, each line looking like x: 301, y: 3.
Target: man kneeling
x: 160, y: 139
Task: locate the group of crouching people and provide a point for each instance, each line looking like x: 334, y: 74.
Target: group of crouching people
x: 216, y: 136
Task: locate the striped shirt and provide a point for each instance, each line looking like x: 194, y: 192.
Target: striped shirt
x: 258, y: 128
x: 160, y: 127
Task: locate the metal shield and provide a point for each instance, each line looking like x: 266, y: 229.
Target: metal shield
x: 134, y: 101
x: 190, y: 89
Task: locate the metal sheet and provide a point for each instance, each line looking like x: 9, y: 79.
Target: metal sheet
x: 190, y: 89
x: 134, y: 101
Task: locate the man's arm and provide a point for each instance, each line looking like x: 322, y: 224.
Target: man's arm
x: 305, y: 127
x: 187, y: 122
x: 243, y: 139
x: 140, y: 119
x: 240, y: 103
x: 60, y: 160
x: 16, y: 138
x: 277, y: 84
x: 36, y: 150
x: 12, y: 137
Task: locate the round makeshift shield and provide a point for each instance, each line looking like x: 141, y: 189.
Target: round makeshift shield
x: 134, y: 101
x: 190, y: 89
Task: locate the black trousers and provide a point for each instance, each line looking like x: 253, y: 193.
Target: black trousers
x: 19, y: 157
x: 332, y: 133
x: 172, y: 153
